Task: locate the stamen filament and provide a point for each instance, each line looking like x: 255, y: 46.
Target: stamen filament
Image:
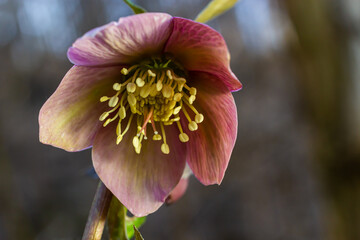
x: 182, y: 136
x: 128, y: 125
x: 186, y: 114
x: 164, y: 147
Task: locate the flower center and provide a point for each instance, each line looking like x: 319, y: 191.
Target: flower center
x: 155, y: 95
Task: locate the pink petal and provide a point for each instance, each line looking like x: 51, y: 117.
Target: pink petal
x: 178, y: 191
x: 122, y: 42
x: 211, y: 145
x: 140, y: 181
x: 70, y: 117
x: 181, y: 187
x: 200, y: 48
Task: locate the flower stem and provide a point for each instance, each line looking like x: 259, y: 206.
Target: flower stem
x: 117, y: 220
x: 98, y: 212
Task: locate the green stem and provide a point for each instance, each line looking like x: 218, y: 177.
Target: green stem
x: 117, y: 220
x: 97, y: 216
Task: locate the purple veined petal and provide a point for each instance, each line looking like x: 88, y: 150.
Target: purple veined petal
x: 140, y: 181
x: 210, y: 146
x: 70, y: 117
x: 178, y: 191
x: 123, y: 42
x: 200, y: 48
x: 181, y: 187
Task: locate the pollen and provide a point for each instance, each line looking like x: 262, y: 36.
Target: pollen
x: 155, y: 94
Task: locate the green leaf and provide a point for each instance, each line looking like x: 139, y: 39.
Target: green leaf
x: 136, y: 9
x: 214, y: 9
x: 137, y: 234
x: 133, y: 221
x: 117, y: 220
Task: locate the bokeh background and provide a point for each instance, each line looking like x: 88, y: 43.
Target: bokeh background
x: 295, y: 169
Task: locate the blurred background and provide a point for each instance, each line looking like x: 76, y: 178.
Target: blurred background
x: 295, y: 169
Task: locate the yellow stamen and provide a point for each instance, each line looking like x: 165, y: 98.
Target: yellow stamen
x: 124, y: 71
x: 131, y: 87
x: 186, y: 114
x: 168, y: 74
x: 151, y: 73
x: 167, y: 91
x: 128, y: 124
x: 177, y: 110
x: 136, y: 142
x: 164, y: 147
x: 192, y: 126
x: 140, y: 82
x: 157, y: 137
x: 131, y: 99
x: 113, y: 101
x: 118, y: 139
x: 103, y: 116
x: 118, y: 128
x: 117, y: 86
x: 104, y: 99
x: 156, y: 95
x: 182, y: 136
x: 122, y: 112
x: 177, y: 97
x: 199, y: 118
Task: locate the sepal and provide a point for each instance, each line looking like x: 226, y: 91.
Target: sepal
x: 214, y: 9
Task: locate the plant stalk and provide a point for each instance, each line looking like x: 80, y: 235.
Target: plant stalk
x: 99, y: 209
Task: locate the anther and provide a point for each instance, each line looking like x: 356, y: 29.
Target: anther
x: 138, y: 149
x: 131, y: 99
x: 166, y: 91
x: 117, y: 86
x: 113, y: 101
x: 177, y: 110
x: 177, y: 97
x: 118, y: 128
x: 104, y: 99
x: 199, y: 118
x: 124, y: 71
x: 122, y: 112
x: 159, y: 86
x: 153, y: 91
x: 192, y: 99
x: 156, y: 137
x: 165, y: 148
x: 103, y: 116
x: 118, y: 139
x: 145, y: 91
x: 131, y: 87
x: 192, y: 91
x: 136, y: 142
x: 183, y: 137
x: 168, y: 74
x: 140, y: 82
x: 151, y: 74
x: 106, y: 122
x: 192, y: 126
x: 172, y: 104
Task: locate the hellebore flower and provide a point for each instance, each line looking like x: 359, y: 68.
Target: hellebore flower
x: 149, y: 93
